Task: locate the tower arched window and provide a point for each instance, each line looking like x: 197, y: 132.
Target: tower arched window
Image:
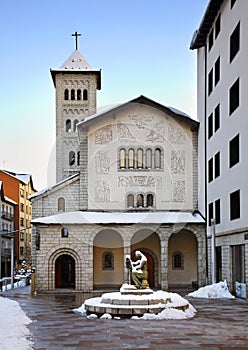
x: 148, y: 158
x: 68, y: 125
x: 72, y: 94
x: 130, y: 201
x: 61, y: 204
x: 140, y: 158
x: 131, y: 158
x: 79, y: 94
x: 149, y: 200
x: 75, y: 125
x: 66, y: 94
x: 122, y: 158
x: 72, y: 158
x: 157, y: 159
x: 140, y: 200
x: 85, y: 95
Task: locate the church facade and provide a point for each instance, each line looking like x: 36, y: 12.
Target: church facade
x: 127, y: 180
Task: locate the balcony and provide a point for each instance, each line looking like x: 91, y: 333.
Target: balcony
x: 7, y: 216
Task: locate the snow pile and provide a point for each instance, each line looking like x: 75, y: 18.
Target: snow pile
x: 169, y: 314
x: 13, y: 330
x: 215, y: 291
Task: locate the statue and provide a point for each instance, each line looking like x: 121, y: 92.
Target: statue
x: 138, y: 270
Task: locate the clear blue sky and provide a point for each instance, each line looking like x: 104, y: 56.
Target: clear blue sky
x: 142, y: 47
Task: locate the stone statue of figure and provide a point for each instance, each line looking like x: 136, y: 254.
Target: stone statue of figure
x: 138, y: 270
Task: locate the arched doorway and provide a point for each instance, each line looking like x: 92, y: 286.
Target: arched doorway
x: 182, y: 259
x: 65, y: 272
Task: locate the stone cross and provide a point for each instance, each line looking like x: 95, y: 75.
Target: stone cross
x: 76, y: 34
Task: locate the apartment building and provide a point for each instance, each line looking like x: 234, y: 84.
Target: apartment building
x: 222, y: 84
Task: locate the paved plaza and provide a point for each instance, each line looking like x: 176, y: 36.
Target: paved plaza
x: 219, y: 324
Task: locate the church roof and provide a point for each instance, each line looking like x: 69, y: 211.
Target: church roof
x: 76, y: 63
x: 90, y: 217
x: 173, y: 112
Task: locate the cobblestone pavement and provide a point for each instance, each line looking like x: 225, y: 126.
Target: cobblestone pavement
x: 219, y: 324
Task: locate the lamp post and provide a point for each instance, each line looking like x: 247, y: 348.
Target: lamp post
x: 213, y: 260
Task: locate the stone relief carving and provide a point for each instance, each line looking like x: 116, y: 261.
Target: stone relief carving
x: 176, y: 134
x: 179, y: 191
x: 102, y: 162
x: 141, y: 121
x: 102, y: 192
x: 104, y: 135
x: 156, y: 133
x: 178, y: 162
x: 123, y: 132
x: 146, y: 181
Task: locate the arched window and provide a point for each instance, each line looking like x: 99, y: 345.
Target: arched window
x: 72, y: 158
x: 131, y: 158
x: 108, y: 261
x: 140, y: 200
x: 140, y: 158
x: 72, y: 94
x: 68, y: 125
x: 149, y: 200
x: 122, y: 158
x: 148, y: 158
x: 79, y: 94
x: 75, y: 125
x: 177, y: 261
x: 61, y: 204
x: 130, y: 201
x: 85, y: 95
x: 64, y: 232
x: 66, y: 94
x: 78, y: 158
x: 157, y: 158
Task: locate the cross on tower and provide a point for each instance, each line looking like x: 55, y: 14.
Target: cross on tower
x: 76, y: 34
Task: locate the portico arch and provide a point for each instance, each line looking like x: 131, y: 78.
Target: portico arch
x: 108, y: 260
x: 148, y: 242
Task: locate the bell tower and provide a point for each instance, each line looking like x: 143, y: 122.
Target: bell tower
x: 76, y: 84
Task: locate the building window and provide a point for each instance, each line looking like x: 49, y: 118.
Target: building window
x: 148, y: 158
x: 71, y: 158
x: 108, y: 261
x: 130, y: 201
x: 235, y: 205
x: 157, y: 158
x: 210, y: 40
x: 61, y: 204
x: 234, y: 151
x: 131, y: 158
x: 177, y: 261
x: 21, y: 251
x: 234, y: 97
x: 68, y: 125
x: 78, y: 158
x: 217, y: 26
x: 64, y: 232
x: 210, y: 170
x: 140, y: 158
x: 66, y: 94
x: 75, y: 125
x: 210, y: 213
x: 79, y: 94
x: 37, y: 241
x: 217, y: 211
x: 140, y: 201
x: 72, y: 94
x: 235, y: 42
x: 122, y: 158
x: 149, y: 200
x: 85, y: 95
x: 217, y: 71
x: 210, y: 82
x: 210, y: 126
x: 217, y: 118
x: 217, y: 165
x: 232, y: 3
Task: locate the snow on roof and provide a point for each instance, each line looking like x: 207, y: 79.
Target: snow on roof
x: 25, y: 178
x: 90, y: 217
x: 76, y: 62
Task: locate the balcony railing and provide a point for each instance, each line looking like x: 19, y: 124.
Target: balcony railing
x: 7, y: 216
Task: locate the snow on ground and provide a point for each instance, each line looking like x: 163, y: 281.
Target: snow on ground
x: 214, y: 291
x: 13, y: 330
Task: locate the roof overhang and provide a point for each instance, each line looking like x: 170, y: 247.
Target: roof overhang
x: 200, y: 36
x: 91, y: 217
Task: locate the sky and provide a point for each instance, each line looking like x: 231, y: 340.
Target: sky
x: 142, y: 48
